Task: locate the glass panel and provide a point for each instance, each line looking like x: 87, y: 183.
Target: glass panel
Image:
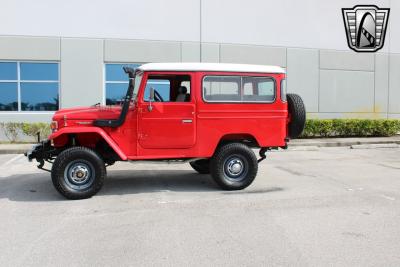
x: 248, y: 89
x: 221, y: 88
x: 39, y: 96
x: 8, y: 71
x: 258, y: 89
x: 160, y: 86
x: 283, y: 90
x: 39, y: 71
x: 115, y: 72
x: 115, y: 92
x: 8, y: 96
x: 266, y: 88
x: 138, y: 81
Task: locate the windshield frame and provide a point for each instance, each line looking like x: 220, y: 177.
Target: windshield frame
x: 137, y: 82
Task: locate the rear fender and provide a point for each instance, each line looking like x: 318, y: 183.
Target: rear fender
x: 96, y: 130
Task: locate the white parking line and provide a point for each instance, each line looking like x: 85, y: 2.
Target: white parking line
x: 387, y: 197
x: 12, y: 160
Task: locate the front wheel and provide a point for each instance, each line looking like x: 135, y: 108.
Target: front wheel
x: 234, y: 166
x: 78, y: 173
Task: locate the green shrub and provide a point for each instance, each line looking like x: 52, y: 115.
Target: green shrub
x: 11, y: 130
x: 350, y: 127
x: 31, y: 129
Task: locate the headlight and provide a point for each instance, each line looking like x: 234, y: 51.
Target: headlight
x: 54, y: 126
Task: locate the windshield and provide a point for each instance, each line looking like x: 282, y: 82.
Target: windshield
x: 138, y: 79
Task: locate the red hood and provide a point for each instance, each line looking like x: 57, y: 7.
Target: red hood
x: 88, y: 113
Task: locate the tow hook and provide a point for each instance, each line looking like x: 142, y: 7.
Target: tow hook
x: 262, y: 152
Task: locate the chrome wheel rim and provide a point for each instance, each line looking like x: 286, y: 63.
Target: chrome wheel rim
x: 79, y: 174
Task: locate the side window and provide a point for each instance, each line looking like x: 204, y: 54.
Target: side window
x: 283, y: 90
x: 258, y: 89
x: 161, y: 86
x: 238, y: 89
x: 168, y: 88
x: 221, y: 88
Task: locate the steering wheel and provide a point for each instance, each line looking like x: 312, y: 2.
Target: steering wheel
x: 157, y: 97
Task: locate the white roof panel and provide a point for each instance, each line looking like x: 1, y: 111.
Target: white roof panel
x: 210, y: 67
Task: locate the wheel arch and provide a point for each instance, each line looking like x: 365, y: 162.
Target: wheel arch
x: 62, y: 136
x: 245, y: 138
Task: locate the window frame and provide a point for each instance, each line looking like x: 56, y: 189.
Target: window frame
x: 19, y: 81
x: 240, y: 89
x: 105, y: 82
x: 168, y: 75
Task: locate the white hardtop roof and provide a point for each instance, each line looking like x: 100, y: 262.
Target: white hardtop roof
x: 210, y: 67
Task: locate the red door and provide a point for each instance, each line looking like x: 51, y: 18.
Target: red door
x: 167, y: 125
x: 170, y: 123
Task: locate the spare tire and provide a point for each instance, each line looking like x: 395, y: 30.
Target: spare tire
x: 297, y: 112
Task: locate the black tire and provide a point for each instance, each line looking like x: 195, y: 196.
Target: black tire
x: 297, y: 112
x: 69, y: 167
x: 202, y: 166
x: 224, y: 168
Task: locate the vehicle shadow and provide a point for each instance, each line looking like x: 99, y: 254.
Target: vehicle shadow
x: 121, y: 182
x: 38, y: 187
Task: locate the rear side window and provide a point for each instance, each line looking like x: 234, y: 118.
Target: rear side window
x: 238, y: 89
x: 283, y: 90
x: 258, y: 89
x: 221, y: 88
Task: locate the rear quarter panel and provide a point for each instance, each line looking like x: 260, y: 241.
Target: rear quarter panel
x: 266, y: 122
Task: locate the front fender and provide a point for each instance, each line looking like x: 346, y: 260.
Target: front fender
x: 97, y: 130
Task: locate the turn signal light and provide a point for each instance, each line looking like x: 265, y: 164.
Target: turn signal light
x: 54, y: 126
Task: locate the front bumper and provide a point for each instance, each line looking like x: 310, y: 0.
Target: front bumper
x: 41, y: 151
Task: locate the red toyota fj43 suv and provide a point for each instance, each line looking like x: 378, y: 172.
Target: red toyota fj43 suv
x: 209, y: 115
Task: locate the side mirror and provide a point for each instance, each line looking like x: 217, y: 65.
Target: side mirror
x: 151, y: 99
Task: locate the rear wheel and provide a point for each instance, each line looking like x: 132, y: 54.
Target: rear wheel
x: 202, y: 166
x: 78, y: 173
x: 234, y: 166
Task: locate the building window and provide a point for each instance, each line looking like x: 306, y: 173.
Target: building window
x: 29, y: 86
x: 116, y: 82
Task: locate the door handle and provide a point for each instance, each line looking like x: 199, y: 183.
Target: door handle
x: 187, y: 121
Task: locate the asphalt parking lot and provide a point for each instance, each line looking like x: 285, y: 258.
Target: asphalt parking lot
x: 314, y: 207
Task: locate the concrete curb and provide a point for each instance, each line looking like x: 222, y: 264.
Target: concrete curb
x: 14, y: 148
x: 322, y: 142
x: 12, y: 151
x: 372, y: 146
x: 343, y: 143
